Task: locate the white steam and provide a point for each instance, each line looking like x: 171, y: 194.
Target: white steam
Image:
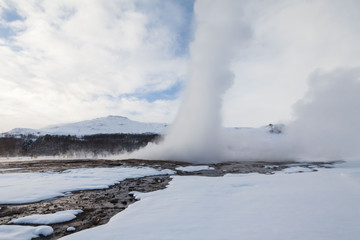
x: 196, y: 131
x: 326, y: 124
x: 195, y: 134
x: 326, y: 127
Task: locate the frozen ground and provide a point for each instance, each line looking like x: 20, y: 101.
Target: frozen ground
x: 17, y: 188
x: 304, y: 205
x: 23, y: 232
x: 305, y: 201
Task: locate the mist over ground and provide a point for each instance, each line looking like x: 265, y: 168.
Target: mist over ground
x: 328, y: 117
x: 326, y: 125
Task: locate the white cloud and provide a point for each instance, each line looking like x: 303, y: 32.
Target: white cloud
x: 67, y: 55
x: 70, y: 54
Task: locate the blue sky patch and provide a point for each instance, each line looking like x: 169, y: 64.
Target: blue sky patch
x: 171, y: 93
x: 6, y: 32
x: 10, y: 15
x: 167, y: 94
x: 174, y: 15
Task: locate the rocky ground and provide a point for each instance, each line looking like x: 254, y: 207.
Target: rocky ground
x: 100, y: 205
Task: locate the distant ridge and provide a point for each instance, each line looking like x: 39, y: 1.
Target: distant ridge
x: 119, y: 124
x: 104, y: 125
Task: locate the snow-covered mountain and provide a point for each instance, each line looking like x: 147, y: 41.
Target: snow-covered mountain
x: 22, y: 131
x: 118, y: 124
x: 104, y: 125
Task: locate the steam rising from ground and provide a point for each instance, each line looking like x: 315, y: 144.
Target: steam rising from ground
x: 327, y: 121
x: 195, y: 134
x: 326, y: 124
x: 326, y: 127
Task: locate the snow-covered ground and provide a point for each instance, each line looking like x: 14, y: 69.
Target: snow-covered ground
x: 9, y: 169
x: 11, y: 232
x: 16, y: 188
x: 194, y: 168
x: 314, y: 205
x: 51, y: 218
x: 297, y: 170
x: 306, y: 205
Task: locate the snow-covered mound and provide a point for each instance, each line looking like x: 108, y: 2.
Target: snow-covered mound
x: 104, y: 125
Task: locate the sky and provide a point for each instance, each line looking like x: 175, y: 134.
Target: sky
x: 66, y: 61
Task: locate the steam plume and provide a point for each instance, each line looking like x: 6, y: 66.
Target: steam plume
x: 195, y: 134
x: 327, y: 118
x: 326, y: 125
x: 196, y: 131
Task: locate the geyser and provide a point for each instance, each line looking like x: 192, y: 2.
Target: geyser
x: 195, y: 133
x: 326, y: 124
x: 220, y: 31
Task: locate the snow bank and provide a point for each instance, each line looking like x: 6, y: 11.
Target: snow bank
x: 8, y: 232
x: 17, y: 188
x: 310, y: 205
x: 297, y: 170
x: 9, y: 169
x: 52, y: 218
x: 194, y: 168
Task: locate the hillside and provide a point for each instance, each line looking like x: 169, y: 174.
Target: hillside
x: 104, y: 125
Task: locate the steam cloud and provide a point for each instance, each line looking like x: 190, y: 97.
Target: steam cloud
x: 326, y: 125
x: 195, y: 134
x: 327, y: 119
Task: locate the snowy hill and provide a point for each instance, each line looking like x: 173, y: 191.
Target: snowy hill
x: 104, y: 125
x: 23, y: 131
x: 118, y: 124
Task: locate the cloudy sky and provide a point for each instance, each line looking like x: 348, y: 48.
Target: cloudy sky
x: 65, y: 61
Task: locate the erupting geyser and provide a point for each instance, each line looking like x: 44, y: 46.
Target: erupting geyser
x: 326, y: 120
x: 196, y: 131
x: 195, y: 134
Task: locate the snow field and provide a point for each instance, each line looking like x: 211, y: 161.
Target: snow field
x: 10, y: 232
x: 306, y: 205
x: 18, y: 188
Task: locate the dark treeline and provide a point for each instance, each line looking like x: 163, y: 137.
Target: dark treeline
x: 52, y: 145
